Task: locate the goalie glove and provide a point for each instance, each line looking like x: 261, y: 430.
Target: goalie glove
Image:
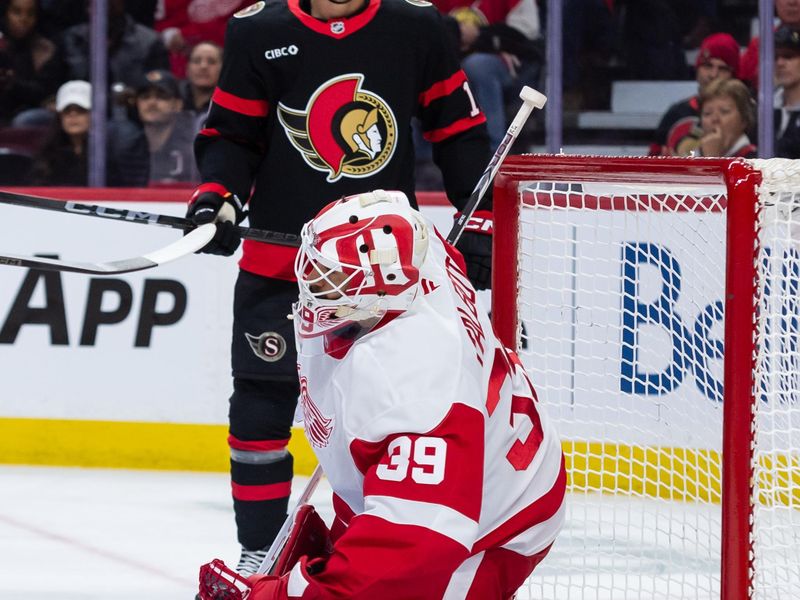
x: 213, y: 203
x: 475, y: 245
x: 218, y: 582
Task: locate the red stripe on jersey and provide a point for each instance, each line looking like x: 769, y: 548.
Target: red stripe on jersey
x: 254, y: 493
x: 538, y: 512
x: 502, y: 572
x: 268, y: 260
x: 460, y: 484
x: 437, y: 135
x: 443, y: 88
x: 250, y: 108
x: 378, y: 559
x: 257, y: 445
x: 498, y: 375
x: 209, y: 132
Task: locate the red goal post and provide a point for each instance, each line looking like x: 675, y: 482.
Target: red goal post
x: 653, y: 299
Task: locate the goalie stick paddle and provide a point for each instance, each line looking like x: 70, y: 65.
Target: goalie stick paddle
x: 530, y: 99
x: 274, y: 552
x: 191, y: 242
x: 137, y: 216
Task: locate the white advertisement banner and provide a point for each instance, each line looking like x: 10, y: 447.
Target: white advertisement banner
x: 624, y: 313
x: 149, y: 346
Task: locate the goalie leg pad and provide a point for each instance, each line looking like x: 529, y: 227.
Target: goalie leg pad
x: 308, y: 536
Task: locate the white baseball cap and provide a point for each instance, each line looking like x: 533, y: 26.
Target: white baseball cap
x: 74, y: 92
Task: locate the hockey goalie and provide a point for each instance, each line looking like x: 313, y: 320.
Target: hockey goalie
x: 448, y: 480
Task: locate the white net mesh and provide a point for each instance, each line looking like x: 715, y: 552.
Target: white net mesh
x: 621, y: 296
x: 777, y: 443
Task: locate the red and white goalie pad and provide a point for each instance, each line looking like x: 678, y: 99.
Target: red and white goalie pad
x: 308, y: 536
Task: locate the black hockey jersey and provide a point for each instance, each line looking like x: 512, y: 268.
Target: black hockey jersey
x: 307, y: 111
x: 678, y: 132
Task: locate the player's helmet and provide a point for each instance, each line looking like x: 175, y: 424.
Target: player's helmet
x: 359, y: 259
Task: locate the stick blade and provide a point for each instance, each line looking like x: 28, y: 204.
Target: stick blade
x: 191, y: 242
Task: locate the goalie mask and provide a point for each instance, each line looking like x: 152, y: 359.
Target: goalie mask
x: 359, y: 259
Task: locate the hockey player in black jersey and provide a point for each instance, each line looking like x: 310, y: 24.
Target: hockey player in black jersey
x: 314, y: 102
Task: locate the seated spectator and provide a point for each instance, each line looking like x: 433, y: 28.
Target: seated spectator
x: 676, y: 134
x: 30, y: 69
x: 787, y: 93
x: 498, y: 41
x: 185, y: 23
x: 202, y: 75
x: 727, y: 112
x: 133, y: 49
x: 169, y: 129
x: 64, y: 158
x: 788, y: 12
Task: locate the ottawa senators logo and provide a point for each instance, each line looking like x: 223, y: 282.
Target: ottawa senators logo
x: 269, y: 346
x: 684, y: 136
x: 344, y: 131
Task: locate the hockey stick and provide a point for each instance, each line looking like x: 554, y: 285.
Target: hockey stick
x: 283, y: 535
x: 191, y: 242
x: 136, y: 216
x: 530, y: 99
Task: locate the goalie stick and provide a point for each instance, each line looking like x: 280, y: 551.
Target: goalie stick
x: 530, y: 99
x: 137, y: 216
x: 191, y: 242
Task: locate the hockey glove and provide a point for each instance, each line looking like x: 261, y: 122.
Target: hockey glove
x: 476, y: 246
x: 212, y: 203
x: 218, y: 582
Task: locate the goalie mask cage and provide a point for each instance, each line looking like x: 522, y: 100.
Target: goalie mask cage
x: 656, y: 305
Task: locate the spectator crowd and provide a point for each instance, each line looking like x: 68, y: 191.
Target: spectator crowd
x: 164, y: 60
x: 165, y: 57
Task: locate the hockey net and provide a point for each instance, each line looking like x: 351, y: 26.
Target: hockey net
x: 656, y: 304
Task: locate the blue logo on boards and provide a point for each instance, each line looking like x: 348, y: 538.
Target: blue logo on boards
x: 694, y: 349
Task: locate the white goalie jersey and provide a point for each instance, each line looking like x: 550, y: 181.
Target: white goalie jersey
x: 432, y: 438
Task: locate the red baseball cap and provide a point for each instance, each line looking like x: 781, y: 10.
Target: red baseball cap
x: 721, y: 46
